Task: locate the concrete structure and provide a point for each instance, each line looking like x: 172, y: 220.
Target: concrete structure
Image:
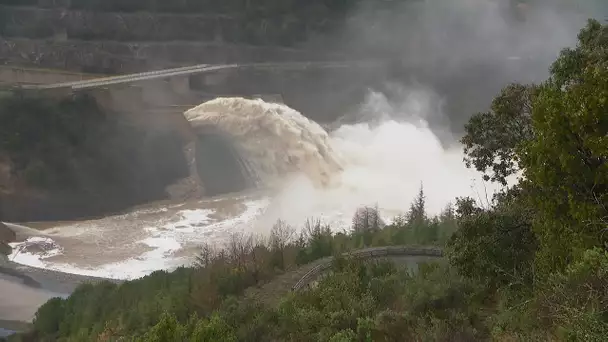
x: 367, y: 254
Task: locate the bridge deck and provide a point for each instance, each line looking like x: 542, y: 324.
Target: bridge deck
x: 203, y: 68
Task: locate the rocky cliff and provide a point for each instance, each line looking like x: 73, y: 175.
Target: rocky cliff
x: 68, y: 158
x: 6, y: 236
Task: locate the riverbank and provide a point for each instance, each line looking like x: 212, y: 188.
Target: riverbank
x: 24, y: 289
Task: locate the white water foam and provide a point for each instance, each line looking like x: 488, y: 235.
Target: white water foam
x: 382, y: 164
x: 375, y: 175
x: 189, y: 227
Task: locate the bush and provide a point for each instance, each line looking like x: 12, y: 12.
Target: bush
x: 575, y: 303
x: 495, y: 246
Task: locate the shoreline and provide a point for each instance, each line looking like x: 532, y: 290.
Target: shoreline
x: 49, y: 280
x: 24, y: 289
x: 13, y: 326
x: 189, y: 203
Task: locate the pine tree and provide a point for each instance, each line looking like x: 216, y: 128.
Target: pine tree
x: 417, y: 212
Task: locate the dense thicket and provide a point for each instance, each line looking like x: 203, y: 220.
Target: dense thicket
x: 555, y: 134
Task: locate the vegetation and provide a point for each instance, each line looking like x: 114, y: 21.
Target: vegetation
x: 530, y: 267
x: 131, y: 310
x: 261, y: 22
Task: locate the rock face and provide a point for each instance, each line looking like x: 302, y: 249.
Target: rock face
x: 6, y: 236
x: 117, y: 161
x: 5, y: 249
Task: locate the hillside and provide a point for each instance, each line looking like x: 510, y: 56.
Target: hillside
x: 68, y: 157
x: 116, y: 37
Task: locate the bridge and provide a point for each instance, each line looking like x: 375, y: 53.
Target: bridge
x: 367, y: 254
x: 300, y: 278
x: 197, y: 69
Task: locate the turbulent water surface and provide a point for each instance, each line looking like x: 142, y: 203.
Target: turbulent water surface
x: 306, y: 173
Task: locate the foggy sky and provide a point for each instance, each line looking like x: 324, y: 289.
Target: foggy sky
x: 464, y: 51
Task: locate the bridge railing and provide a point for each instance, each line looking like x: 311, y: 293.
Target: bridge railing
x: 369, y: 253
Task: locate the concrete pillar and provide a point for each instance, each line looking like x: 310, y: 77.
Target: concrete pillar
x: 128, y: 98
x: 180, y: 84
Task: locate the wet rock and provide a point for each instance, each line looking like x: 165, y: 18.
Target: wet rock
x: 5, y: 250
x: 6, y: 234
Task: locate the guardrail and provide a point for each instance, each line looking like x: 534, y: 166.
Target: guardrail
x: 202, y: 68
x: 369, y: 253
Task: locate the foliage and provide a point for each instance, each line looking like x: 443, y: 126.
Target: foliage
x: 575, y: 302
x: 566, y: 166
x: 591, y: 51
x: 417, y: 213
x: 555, y: 134
x: 495, y: 246
x: 150, y: 307
x: 492, y: 138
x: 262, y: 22
x: 375, y: 301
x: 562, y: 197
x: 380, y: 302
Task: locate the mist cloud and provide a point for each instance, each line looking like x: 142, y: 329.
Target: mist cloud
x: 463, y: 51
